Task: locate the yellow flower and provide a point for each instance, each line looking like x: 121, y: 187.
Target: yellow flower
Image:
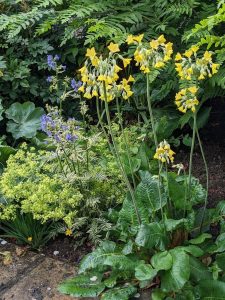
x: 154, y: 44
x: 188, y: 53
x: 113, y: 48
x: 126, y: 62
x: 164, y: 153
x: 83, y: 70
x: 161, y: 39
x: 130, y: 79
x: 95, y: 61
x: 178, y: 57
x: 117, y: 69
x: 215, y: 68
x: 88, y: 95
x: 159, y: 64
x: 193, y: 89
x: 195, y: 48
x: 130, y: 39
x: 138, y: 38
x: 201, y: 77
x: 81, y: 89
x: 94, y: 93
x: 208, y: 56
x: 68, y: 232
x: 30, y: 239
x: 91, y: 53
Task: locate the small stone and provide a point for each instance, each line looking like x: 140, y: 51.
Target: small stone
x: 3, y: 242
x: 137, y: 295
x: 48, y: 289
x: 55, y: 253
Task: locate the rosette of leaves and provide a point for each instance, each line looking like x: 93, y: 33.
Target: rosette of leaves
x: 24, y: 119
x: 169, y: 255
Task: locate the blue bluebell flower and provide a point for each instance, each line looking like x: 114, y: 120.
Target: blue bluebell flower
x: 49, y: 79
x: 76, y: 84
x: 51, y: 62
x: 57, y: 57
x: 71, y: 138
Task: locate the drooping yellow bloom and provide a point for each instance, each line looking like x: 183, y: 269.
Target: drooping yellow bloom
x: 130, y: 39
x: 138, y: 38
x: 164, y: 153
x: 208, y: 56
x: 126, y: 61
x: 68, y: 232
x: 188, y: 53
x: 91, y: 53
x: 186, y: 99
x: 113, y: 48
x: 178, y: 57
x: 215, y: 68
x: 154, y: 44
x: 161, y: 39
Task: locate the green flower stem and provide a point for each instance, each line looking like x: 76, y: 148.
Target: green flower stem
x: 191, y: 156
x: 151, y: 113
x: 160, y: 195
x: 60, y: 164
x: 125, y: 140
x: 168, y: 193
x: 68, y: 160
x: 117, y: 156
x: 207, y: 177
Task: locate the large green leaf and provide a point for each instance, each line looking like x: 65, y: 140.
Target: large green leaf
x: 145, y: 272
x: 119, y: 293
x: 25, y: 119
x: 175, y: 278
x: 220, y: 259
x: 5, y: 152
x: 198, y: 270
x: 162, y: 261
x: 147, y: 195
x: 97, y: 257
x: 211, y: 290
x: 131, y: 164
x: 83, y: 286
x: 151, y: 235
x: 200, y: 239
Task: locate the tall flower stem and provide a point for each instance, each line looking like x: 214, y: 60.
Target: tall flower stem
x: 125, y: 140
x: 207, y: 177
x: 151, y: 113
x: 117, y: 156
x: 191, y: 156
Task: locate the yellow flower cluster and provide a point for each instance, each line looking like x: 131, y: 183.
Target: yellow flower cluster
x: 100, y: 75
x: 151, y: 55
x: 186, y: 99
x: 164, y: 153
x: 190, y: 66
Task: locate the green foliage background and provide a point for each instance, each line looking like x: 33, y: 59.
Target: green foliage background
x: 29, y: 30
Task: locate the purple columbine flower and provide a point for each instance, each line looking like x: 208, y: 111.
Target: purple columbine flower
x: 49, y: 79
x: 76, y: 84
x: 51, y: 62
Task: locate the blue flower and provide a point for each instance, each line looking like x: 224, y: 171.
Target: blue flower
x: 71, y: 138
x: 47, y: 124
x: 57, y: 57
x: 49, y: 79
x: 76, y: 84
x: 51, y: 62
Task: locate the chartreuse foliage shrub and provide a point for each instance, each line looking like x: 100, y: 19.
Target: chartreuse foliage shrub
x: 75, y: 180
x: 161, y: 239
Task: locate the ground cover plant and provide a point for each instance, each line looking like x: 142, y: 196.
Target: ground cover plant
x: 162, y: 230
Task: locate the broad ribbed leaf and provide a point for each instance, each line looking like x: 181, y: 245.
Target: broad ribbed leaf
x: 220, y: 259
x: 145, y: 272
x: 162, y: 261
x: 120, y: 293
x: 96, y: 258
x: 151, y: 235
x: 211, y: 290
x: 199, y: 271
x: 148, y: 197
x: 83, y: 286
x: 200, y: 239
x: 175, y: 278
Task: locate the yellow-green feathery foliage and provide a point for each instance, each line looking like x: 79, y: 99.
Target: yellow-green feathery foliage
x: 30, y: 183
